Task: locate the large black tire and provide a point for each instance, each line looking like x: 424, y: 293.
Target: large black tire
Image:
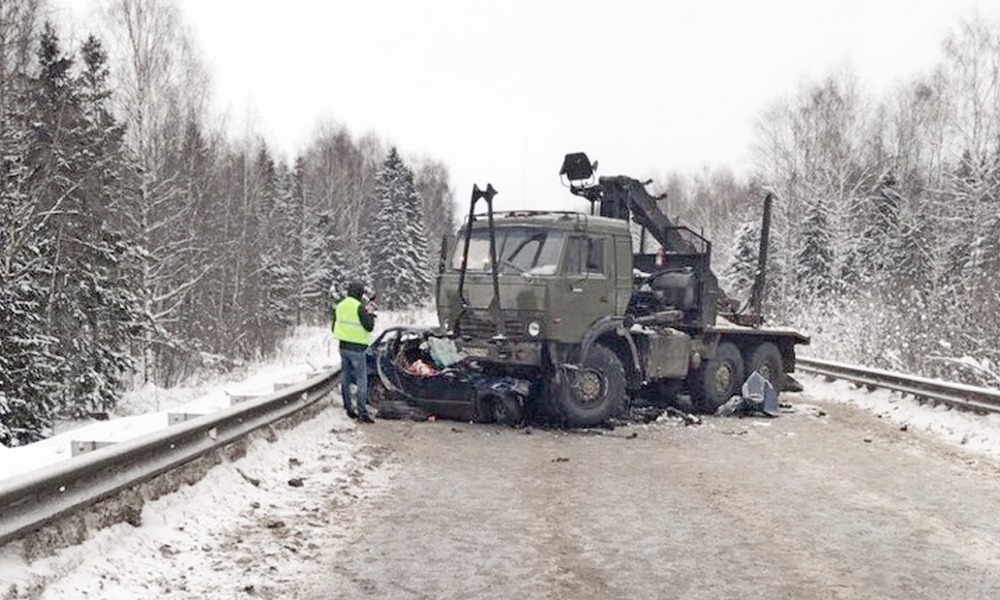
x: 507, y: 410
x: 718, y: 379
x: 766, y: 358
x: 595, y: 391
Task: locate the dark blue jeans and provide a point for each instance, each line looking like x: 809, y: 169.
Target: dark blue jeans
x: 354, y: 369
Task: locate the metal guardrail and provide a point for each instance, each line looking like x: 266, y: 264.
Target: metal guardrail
x: 35, y: 499
x: 953, y: 394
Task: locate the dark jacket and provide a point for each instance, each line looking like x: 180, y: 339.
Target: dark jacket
x: 367, y: 321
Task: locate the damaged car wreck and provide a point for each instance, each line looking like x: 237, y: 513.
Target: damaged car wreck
x: 421, y: 374
x: 572, y: 318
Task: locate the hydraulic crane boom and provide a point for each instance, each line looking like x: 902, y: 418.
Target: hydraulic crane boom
x: 626, y: 198
x: 623, y: 195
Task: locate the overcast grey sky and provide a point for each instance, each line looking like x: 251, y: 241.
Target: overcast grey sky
x: 500, y: 90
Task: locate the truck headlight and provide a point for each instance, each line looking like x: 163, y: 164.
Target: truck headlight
x: 534, y: 329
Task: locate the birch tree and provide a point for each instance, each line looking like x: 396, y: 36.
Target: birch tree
x: 162, y: 87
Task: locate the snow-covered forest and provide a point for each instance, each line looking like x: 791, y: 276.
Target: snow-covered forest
x: 885, y: 241
x: 139, y: 242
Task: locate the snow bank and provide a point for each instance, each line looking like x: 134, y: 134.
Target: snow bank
x: 144, y: 410
x: 210, y: 539
x: 976, y: 434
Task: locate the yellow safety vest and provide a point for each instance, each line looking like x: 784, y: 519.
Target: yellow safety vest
x: 347, y: 327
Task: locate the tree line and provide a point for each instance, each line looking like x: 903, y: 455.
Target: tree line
x: 885, y: 243
x: 139, y: 242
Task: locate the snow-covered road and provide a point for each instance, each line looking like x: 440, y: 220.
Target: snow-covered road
x: 825, y: 502
x: 852, y: 494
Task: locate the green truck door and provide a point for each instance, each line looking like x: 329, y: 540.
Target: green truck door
x: 590, y: 291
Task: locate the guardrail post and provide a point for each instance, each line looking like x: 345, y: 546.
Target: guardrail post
x: 175, y: 418
x: 235, y: 399
x: 82, y: 447
x: 280, y: 385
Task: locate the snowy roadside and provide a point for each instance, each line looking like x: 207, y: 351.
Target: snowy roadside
x: 976, y: 434
x: 146, y: 409
x: 254, y: 526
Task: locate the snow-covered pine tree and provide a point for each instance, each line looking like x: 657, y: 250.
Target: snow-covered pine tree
x: 876, y: 231
x: 28, y: 369
x: 740, y: 273
x: 914, y: 246
x: 268, y: 286
x: 326, y: 268
x: 397, y: 238
x: 350, y: 263
x: 279, y: 256
x: 78, y: 170
x: 296, y: 232
x: 109, y: 310
x: 52, y: 188
x: 814, y: 259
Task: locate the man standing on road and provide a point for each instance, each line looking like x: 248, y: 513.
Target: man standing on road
x: 352, y: 325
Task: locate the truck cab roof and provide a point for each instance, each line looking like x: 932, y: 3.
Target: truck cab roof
x: 564, y: 220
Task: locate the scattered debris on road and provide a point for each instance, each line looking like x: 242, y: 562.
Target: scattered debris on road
x: 252, y: 480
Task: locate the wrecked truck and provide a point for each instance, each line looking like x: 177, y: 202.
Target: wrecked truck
x: 575, y: 316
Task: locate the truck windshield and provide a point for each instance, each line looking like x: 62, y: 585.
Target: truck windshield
x: 519, y: 250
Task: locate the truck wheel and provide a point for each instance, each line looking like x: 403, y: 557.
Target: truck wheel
x: 719, y: 379
x: 593, y: 392
x: 766, y: 358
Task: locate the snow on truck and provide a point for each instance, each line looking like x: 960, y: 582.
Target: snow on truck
x: 561, y: 315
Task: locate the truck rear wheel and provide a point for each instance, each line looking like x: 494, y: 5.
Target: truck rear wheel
x: 766, y: 359
x: 719, y: 378
x: 594, y: 391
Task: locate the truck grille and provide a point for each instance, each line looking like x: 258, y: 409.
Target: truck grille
x: 479, y: 325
